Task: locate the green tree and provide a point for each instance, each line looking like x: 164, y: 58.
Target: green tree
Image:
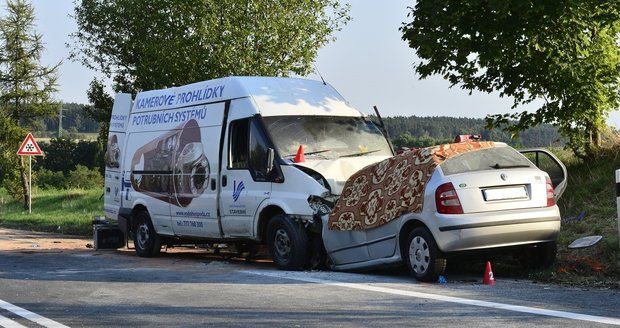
x: 565, y: 53
x: 100, y: 109
x: 151, y: 44
x: 26, y: 90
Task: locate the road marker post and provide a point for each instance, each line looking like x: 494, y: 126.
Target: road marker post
x: 29, y: 148
x: 618, y: 202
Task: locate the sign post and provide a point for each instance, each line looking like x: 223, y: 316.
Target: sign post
x: 29, y: 148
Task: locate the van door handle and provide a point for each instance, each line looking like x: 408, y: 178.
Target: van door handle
x: 213, y: 186
x: 224, y: 180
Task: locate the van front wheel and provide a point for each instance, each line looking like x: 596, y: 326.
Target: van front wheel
x: 288, y: 243
x: 145, y: 239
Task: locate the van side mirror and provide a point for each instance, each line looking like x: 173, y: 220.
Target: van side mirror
x: 271, y: 154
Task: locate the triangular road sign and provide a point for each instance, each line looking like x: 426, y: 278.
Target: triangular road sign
x: 29, y: 147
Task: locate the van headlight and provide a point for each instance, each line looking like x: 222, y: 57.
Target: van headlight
x: 320, y: 206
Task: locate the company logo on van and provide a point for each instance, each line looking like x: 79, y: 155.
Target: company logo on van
x: 237, y: 189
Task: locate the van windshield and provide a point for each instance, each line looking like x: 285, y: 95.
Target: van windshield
x: 326, y: 137
x: 485, y: 159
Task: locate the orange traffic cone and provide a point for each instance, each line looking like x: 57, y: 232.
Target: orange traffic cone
x: 488, y: 278
x: 300, y: 155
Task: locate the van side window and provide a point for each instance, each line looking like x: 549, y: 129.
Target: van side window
x: 238, y: 136
x: 258, y: 152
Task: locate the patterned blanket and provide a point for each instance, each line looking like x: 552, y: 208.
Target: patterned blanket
x: 383, y: 191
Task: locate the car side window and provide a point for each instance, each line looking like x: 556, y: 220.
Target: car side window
x: 238, y: 145
x: 259, y: 152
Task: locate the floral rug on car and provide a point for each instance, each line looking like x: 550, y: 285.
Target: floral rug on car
x: 381, y: 192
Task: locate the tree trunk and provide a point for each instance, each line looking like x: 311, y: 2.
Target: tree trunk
x: 24, y: 176
x: 593, y: 141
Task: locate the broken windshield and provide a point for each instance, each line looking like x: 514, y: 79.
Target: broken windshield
x: 326, y: 137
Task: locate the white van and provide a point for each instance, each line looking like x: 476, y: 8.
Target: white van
x: 234, y: 160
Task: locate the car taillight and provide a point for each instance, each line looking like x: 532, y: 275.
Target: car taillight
x: 447, y: 200
x: 550, y: 193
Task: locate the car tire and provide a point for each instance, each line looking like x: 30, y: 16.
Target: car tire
x: 288, y: 243
x: 541, y: 256
x: 422, y: 256
x: 146, y: 241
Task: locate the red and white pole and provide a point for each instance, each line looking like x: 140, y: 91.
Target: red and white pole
x: 618, y: 201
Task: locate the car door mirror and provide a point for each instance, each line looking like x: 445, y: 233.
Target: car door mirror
x: 548, y: 162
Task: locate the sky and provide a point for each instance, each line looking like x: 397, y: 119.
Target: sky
x: 368, y: 64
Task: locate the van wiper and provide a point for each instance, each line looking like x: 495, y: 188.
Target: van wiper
x: 497, y: 166
x: 362, y: 153
x: 311, y: 152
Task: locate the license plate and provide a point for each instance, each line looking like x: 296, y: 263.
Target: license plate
x: 505, y: 193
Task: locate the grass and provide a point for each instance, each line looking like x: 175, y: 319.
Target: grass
x: 61, y: 211
x: 592, y: 190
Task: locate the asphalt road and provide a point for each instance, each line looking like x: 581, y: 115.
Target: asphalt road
x: 78, y: 287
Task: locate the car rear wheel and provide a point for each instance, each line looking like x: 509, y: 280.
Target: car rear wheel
x: 288, y: 243
x: 145, y: 239
x: 422, y: 257
x: 541, y: 256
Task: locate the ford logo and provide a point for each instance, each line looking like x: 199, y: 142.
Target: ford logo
x: 503, y: 176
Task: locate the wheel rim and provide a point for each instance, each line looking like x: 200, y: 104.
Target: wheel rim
x: 282, y: 243
x: 419, y: 255
x: 142, y: 235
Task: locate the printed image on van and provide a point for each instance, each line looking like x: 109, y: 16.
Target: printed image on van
x: 173, y: 167
x: 113, y: 153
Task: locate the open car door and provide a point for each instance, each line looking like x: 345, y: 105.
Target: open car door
x: 546, y: 161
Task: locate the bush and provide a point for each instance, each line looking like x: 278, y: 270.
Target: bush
x: 11, y: 178
x: 65, y: 154
x: 47, y: 179
x: 80, y: 178
x: 13, y: 185
x: 85, y: 178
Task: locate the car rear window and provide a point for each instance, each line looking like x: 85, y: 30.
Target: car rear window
x: 485, y: 159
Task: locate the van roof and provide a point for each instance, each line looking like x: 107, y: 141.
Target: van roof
x: 273, y: 96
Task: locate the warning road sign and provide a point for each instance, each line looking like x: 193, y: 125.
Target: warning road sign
x: 29, y: 147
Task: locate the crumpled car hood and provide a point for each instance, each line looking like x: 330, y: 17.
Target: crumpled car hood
x: 338, y: 171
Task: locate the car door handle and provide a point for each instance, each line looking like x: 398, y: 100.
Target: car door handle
x: 213, y: 185
x: 224, y: 180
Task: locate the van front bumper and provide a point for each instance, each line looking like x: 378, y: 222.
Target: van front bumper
x: 496, y: 229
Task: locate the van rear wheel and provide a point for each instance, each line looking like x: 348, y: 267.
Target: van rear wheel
x: 288, y: 243
x: 422, y: 256
x: 145, y: 239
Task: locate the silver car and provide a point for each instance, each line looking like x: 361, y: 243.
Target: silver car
x: 491, y: 199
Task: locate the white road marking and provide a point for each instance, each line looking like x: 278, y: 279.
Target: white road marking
x: 41, y: 320
x: 8, y: 323
x: 437, y: 297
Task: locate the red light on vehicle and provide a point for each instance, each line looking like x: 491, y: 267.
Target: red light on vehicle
x: 447, y: 200
x: 550, y: 193
x: 467, y: 137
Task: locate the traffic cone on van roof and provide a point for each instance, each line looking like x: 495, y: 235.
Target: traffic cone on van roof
x: 300, y: 155
x: 488, y: 278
